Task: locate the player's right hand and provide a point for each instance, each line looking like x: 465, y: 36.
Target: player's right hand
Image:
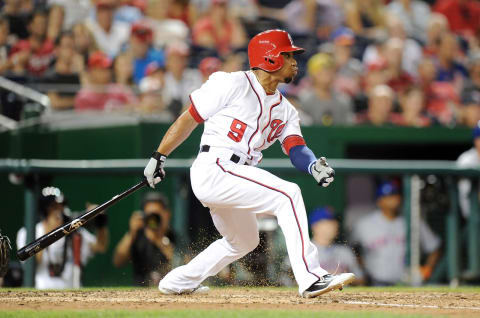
x: 154, y: 172
x: 322, y: 172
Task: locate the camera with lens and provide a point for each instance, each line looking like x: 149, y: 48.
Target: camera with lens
x: 152, y: 221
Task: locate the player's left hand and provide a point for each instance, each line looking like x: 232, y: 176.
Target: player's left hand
x: 322, y: 172
x: 154, y: 172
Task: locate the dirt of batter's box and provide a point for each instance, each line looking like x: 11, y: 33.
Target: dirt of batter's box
x: 454, y: 304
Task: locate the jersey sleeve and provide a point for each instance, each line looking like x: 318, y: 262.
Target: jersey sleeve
x: 86, y: 251
x: 292, y: 134
x: 213, y: 95
x: 429, y: 241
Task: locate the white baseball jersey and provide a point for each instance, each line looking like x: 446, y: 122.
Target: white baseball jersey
x: 384, y: 242
x: 468, y: 159
x: 241, y: 119
x: 239, y: 115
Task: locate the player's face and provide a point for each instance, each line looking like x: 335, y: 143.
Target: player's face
x: 289, y: 69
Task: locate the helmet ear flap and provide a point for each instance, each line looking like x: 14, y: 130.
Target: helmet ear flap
x: 275, y: 63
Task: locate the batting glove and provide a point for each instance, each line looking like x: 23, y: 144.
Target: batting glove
x: 154, y: 172
x: 322, y: 172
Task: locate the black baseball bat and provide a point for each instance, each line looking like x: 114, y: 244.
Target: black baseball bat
x: 64, y: 230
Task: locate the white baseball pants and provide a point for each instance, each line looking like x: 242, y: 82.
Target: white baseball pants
x: 235, y: 193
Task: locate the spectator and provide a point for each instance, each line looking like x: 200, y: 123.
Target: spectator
x: 334, y: 258
x: 84, y: 41
x: 123, y: 69
x: 365, y: 17
x: 441, y: 97
x: 470, y: 111
x: 325, y: 105
x: 71, y: 13
x: 349, y: 69
x: 412, y: 52
x: 208, y: 66
x: 180, y: 81
x: 463, y: 15
x: 64, y: 77
x: 56, y: 15
x: 380, y: 105
x: 383, y: 249
x: 397, y: 78
x: 414, y: 14
x: 218, y: 30
x: 468, y: 159
x: 151, y: 86
x: 182, y: 10
x: 110, y: 35
x: 470, y: 95
x: 4, y: 45
x: 436, y: 27
x: 18, y: 14
x: 54, y: 265
x: 412, y: 106
x: 317, y: 17
x: 100, y: 93
x: 33, y: 55
x: 449, y: 69
x: 142, y: 50
x: 146, y: 244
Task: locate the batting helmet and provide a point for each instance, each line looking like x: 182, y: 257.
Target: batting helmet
x: 265, y: 48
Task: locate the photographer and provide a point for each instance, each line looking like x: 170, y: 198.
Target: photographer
x: 55, y: 265
x: 146, y: 244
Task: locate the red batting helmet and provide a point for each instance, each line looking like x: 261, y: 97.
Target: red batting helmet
x: 264, y: 49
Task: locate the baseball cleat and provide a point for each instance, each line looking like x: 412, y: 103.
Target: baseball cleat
x: 327, y: 283
x: 200, y: 289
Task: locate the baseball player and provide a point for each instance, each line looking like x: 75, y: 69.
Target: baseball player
x: 243, y: 113
x: 469, y: 158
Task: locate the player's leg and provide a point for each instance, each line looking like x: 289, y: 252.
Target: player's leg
x: 256, y: 190
x: 240, y: 236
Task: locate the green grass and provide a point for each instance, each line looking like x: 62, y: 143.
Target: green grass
x: 247, y: 313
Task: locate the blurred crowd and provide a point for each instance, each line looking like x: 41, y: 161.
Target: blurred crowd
x: 378, y: 62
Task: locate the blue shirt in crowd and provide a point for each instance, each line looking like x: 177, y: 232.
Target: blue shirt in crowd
x: 140, y: 65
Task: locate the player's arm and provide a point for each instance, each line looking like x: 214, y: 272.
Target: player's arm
x: 304, y: 159
x: 175, y: 136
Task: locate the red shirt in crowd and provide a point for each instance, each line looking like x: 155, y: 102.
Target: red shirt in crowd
x: 40, y: 59
x: 113, y: 96
x: 441, y: 100
x: 222, y: 43
x: 401, y: 82
x: 462, y: 15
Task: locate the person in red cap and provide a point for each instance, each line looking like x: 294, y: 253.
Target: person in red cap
x: 100, y: 93
x: 243, y: 114
x: 208, y: 66
x: 142, y: 50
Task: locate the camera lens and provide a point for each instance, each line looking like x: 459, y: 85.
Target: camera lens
x: 153, y: 221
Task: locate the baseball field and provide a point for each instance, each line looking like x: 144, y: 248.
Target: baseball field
x: 242, y: 302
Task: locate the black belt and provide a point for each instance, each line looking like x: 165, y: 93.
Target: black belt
x: 233, y: 158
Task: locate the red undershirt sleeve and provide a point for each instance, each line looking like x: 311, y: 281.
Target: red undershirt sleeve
x: 193, y: 111
x: 291, y: 141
